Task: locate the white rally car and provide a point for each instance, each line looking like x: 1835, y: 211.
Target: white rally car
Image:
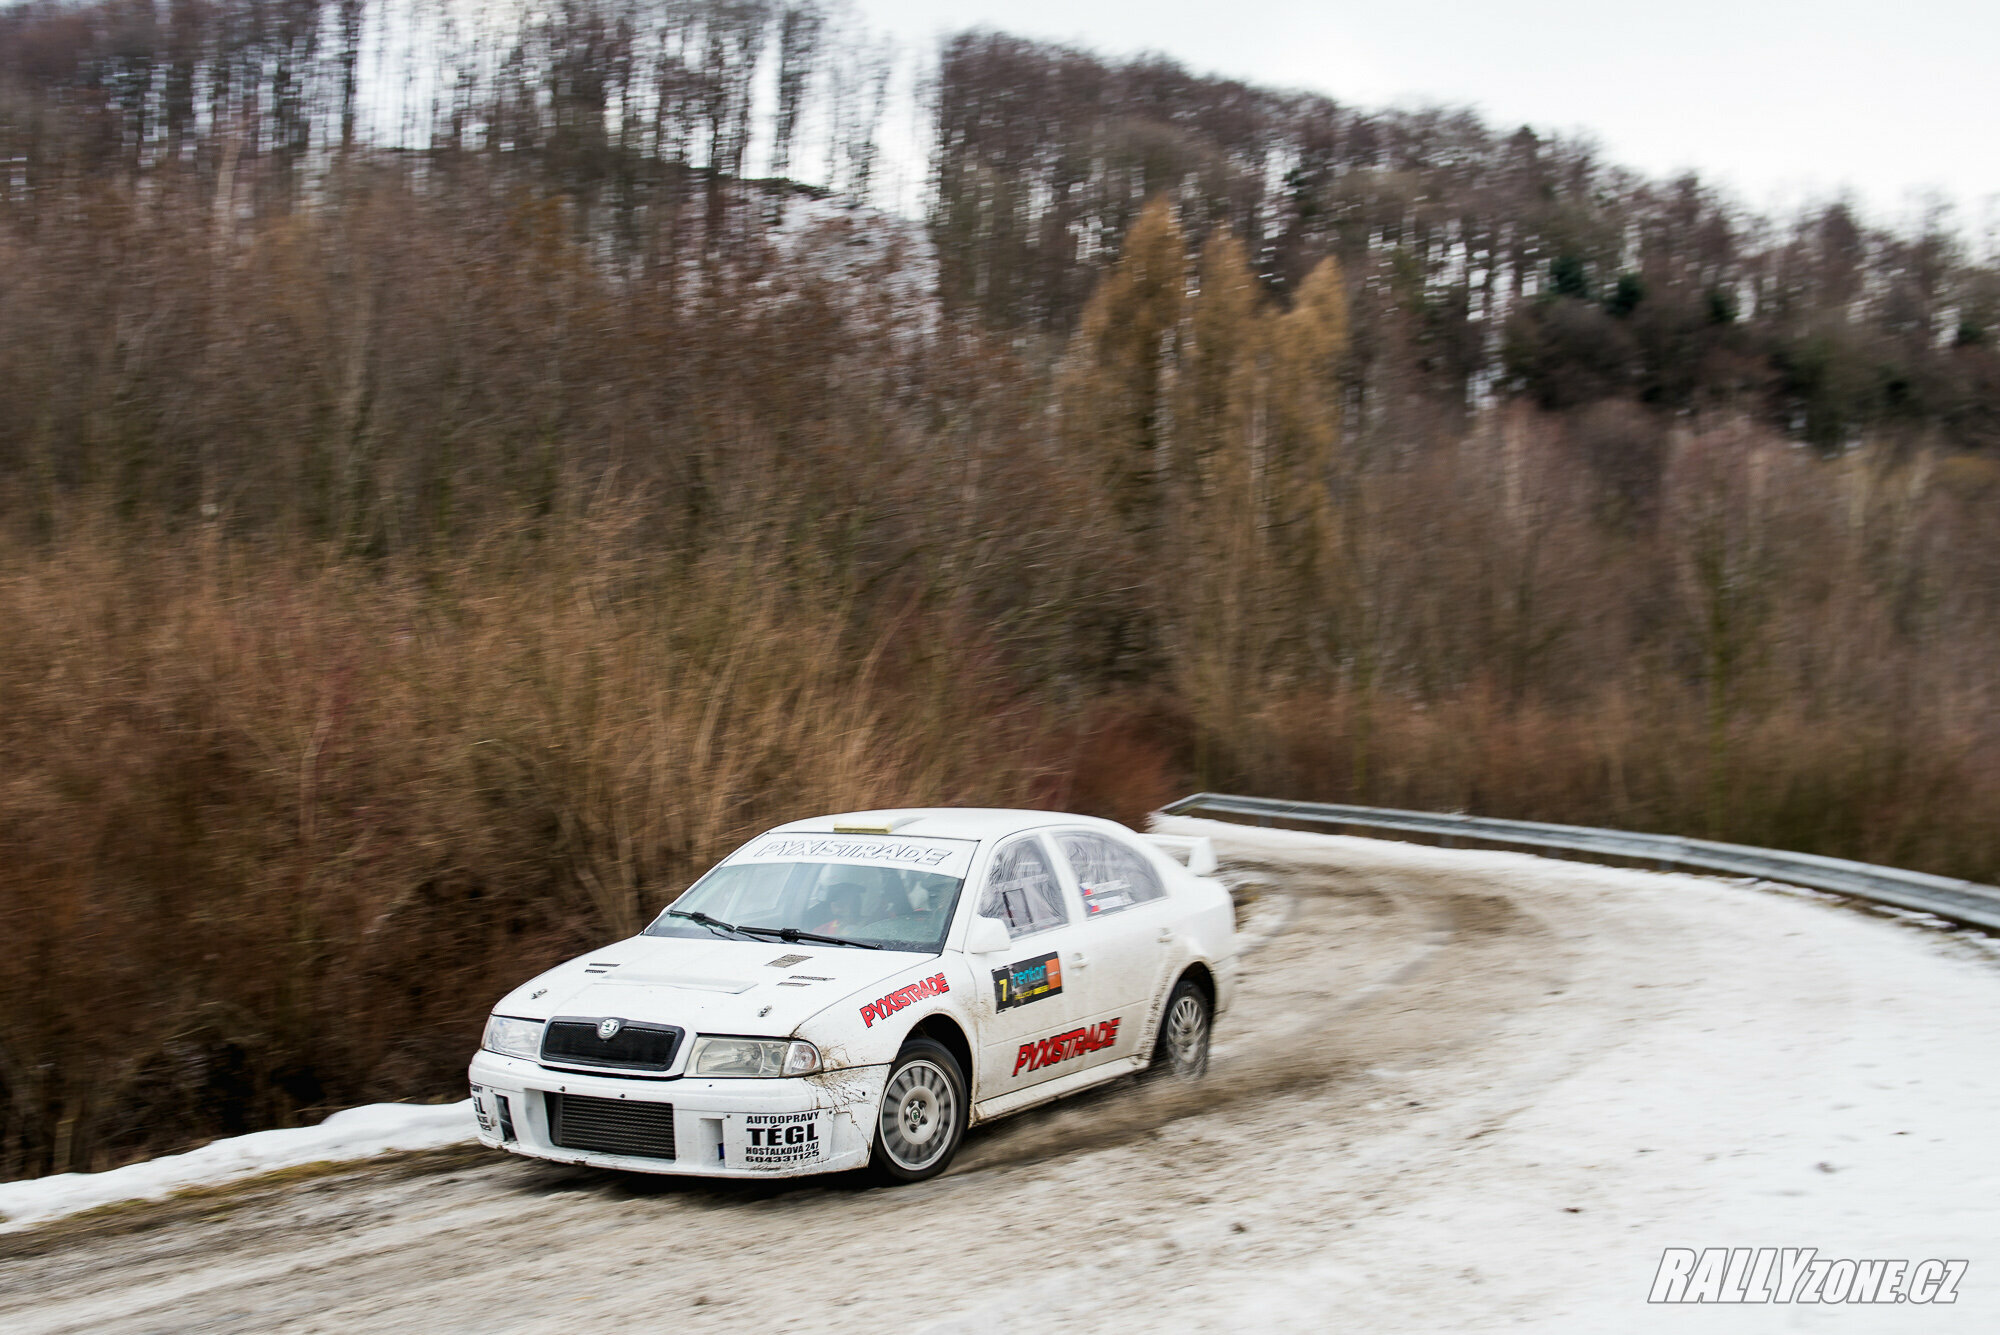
x: 856, y: 990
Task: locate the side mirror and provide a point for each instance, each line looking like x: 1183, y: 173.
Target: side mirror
x: 987, y: 936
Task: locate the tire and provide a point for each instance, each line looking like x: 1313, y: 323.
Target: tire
x: 1181, y: 1050
x: 922, y: 1120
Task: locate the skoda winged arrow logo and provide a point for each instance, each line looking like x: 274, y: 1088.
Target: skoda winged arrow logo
x: 608, y: 1029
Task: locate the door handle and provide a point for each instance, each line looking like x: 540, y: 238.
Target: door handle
x: 1079, y: 960
x: 1166, y: 934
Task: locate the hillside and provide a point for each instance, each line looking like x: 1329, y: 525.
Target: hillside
x: 453, y: 491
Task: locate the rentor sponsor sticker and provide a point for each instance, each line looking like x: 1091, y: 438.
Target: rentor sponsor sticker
x: 1026, y: 981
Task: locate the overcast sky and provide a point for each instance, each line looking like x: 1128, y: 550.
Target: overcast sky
x: 1780, y: 101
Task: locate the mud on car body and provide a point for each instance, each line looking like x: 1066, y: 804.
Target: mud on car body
x: 854, y: 991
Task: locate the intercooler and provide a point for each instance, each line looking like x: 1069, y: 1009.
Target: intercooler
x: 611, y: 1126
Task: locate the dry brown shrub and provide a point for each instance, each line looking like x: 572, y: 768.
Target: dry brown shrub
x: 276, y: 828
x: 1908, y: 788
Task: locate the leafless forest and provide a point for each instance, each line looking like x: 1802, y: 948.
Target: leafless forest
x: 458, y: 475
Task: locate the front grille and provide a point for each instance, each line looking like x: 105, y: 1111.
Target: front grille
x: 611, y: 1126
x: 635, y: 1047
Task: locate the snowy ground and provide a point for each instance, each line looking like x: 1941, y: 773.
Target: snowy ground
x: 355, y: 1133
x: 1461, y: 1091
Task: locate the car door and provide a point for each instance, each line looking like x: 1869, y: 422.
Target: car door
x: 1041, y: 996
x: 1127, y: 932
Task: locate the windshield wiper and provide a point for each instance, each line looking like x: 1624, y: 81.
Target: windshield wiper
x: 707, y: 921
x: 795, y: 934
x: 781, y: 933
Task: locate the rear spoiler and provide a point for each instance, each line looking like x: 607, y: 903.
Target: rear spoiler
x: 1195, y: 853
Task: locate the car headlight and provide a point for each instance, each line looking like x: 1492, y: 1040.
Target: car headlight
x: 765, y: 1057
x: 513, y: 1038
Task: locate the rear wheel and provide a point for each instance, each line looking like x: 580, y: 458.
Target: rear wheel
x: 923, y: 1116
x: 1181, y: 1051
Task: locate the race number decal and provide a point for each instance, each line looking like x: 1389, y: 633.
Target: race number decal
x: 1027, y: 980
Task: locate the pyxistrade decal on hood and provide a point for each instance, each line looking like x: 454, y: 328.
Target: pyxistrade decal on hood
x: 1062, y: 1047
x: 903, y: 996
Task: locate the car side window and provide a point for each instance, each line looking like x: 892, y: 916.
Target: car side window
x: 1110, y: 875
x: 1021, y: 890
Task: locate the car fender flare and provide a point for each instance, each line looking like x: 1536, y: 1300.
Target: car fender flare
x: 1203, y: 977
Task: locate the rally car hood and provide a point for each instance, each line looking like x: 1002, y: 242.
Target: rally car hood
x: 707, y: 986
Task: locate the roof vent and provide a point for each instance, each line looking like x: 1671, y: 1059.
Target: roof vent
x: 874, y: 827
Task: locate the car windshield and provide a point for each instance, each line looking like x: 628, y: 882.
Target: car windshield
x: 865, y: 902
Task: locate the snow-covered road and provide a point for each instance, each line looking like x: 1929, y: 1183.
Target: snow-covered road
x: 1461, y: 1091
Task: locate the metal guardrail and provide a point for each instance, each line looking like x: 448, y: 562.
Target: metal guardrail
x: 1960, y: 901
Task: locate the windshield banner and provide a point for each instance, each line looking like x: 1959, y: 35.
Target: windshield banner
x: 942, y: 857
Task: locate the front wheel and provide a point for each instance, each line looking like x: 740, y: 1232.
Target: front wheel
x: 923, y: 1116
x: 1181, y: 1051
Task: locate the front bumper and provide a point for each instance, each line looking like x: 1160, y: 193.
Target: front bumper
x: 719, y: 1128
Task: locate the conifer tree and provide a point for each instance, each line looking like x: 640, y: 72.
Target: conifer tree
x: 1215, y: 383
x: 1308, y: 343
x: 1114, y: 392
x: 1219, y: 595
